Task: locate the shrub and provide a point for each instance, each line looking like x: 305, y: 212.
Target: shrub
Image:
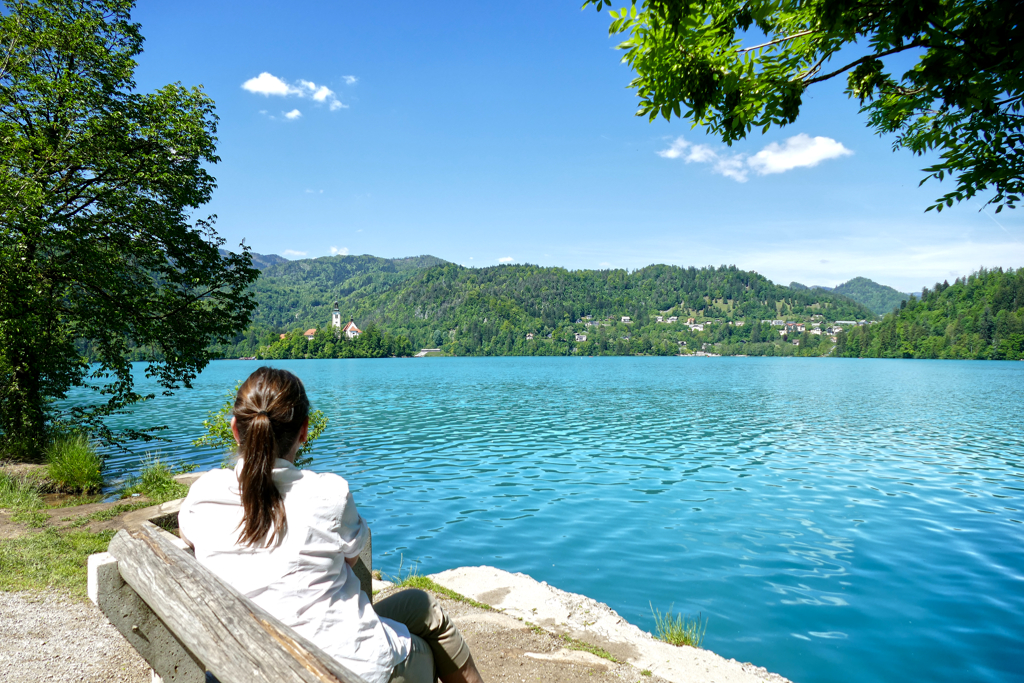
x: 675, y: 629
x: 156, y: 481
x: 74, y: 464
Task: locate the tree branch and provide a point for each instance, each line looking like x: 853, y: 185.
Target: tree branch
x: 779, y: 40
x: 866, y: 58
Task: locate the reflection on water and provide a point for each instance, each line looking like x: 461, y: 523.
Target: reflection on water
x: 833, y: 520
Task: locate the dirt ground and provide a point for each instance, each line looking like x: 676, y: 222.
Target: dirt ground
x: 507, y: 650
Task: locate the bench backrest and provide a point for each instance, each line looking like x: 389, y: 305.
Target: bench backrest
x: 148, y: 574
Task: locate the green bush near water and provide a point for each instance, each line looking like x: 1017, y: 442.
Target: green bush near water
x: 155, y: 481
x: 74, y: 465
x: 675, y: 629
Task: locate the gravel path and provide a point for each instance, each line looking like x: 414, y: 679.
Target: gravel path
x: 49, y: 637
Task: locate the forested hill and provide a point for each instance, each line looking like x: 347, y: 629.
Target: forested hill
x: 977, y: 317
x: 879, y: 298
x: 431, y: 302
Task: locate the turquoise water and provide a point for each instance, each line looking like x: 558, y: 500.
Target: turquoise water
x: 832, y: 520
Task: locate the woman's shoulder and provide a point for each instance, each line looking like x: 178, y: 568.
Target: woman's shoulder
x: 213, y: 481
x: 323, y: 484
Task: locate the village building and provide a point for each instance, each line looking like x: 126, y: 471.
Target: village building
x: 673, y: 319
x: 350, y: 330
x: 529, y: 336
x: 626, y: 319
x: 310, y: 333
x: 581, y: 337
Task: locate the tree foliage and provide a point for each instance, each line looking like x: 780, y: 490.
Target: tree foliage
x: 978, y: 317
x: 97, y: 243
x: 737, y: 65
x: 219, y: 435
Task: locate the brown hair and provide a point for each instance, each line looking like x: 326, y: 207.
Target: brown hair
x: 269, y: 411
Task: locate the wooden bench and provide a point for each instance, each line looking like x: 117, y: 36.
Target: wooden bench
x: 185, y: 622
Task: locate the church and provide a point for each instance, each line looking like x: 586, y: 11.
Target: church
x: 350, y: 330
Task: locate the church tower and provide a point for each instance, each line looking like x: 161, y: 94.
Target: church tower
x: 336, y: 317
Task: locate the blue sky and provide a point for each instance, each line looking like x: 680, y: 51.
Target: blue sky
x: 485, y: 133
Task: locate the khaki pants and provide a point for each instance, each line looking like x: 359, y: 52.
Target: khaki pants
x: 437, y: 646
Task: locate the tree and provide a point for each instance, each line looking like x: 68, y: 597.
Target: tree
x: 97, y: 244
x: 736, y: 65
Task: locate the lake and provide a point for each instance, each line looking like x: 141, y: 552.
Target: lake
x: 832, y: 520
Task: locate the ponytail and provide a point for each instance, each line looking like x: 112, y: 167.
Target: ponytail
x: 270, y: 410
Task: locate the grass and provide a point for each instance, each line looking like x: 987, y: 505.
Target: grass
x: 155, y: 481
x: 115, y: 510
x: 427, y: 584
x: 50, y: 559
x: 18, y: 494
x: 74, y: 464
x: 646, y: 672
x: 675, y: 629
x: 574, y: 644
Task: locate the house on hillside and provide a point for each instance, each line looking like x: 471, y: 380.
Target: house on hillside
x: 350, y: 330
x: 626, y: 319
x: 581, y: 337
x: 673, y: 319
x: 659, y: 318
x: 310, y: 333
x: 529, y: 336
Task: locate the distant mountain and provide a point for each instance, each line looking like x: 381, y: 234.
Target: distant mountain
x: 879, y: 298
x: 261, y: 261
x: 490, y: 311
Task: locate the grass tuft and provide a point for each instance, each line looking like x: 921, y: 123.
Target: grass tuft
x: 427, y: 584
x: 675, y: 629
x: 155, y: 481
x: 575, y: 644
x: 74, y: 464
x: 50, y: 559
x: 415, y: 580
x: 18, y: 494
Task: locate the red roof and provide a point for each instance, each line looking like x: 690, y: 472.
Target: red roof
x: 350, y: 327
x: 310, y: 332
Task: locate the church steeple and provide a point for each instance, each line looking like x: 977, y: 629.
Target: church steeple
x: 336, y: 317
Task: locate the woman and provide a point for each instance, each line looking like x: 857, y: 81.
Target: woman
x: 287, y: 538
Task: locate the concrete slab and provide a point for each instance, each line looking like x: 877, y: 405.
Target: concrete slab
x: 595, y: 623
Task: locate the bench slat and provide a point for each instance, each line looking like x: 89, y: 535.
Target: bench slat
x: 233, y: 638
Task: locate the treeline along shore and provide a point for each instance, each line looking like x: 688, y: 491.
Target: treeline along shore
x: 406, y: 304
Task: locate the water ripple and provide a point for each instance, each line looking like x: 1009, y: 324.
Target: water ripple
x: 834, y: 520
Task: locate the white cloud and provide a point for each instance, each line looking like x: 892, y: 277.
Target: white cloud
x: 675, y: 150
x: 293, y: 114
x: 267, y: 84
x: 505, y: 259
x: 350, y: 80
x: 292, y: 252
x: 339, y: 252
x: 799, y: 151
